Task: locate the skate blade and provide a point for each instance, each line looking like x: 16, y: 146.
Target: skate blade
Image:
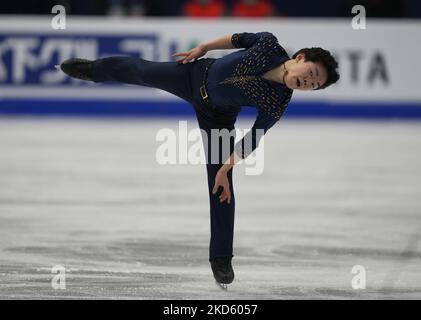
x: 222, y: 286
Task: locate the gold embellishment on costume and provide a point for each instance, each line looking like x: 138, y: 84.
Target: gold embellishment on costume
x: 238, y: 79
x: 255, y: 88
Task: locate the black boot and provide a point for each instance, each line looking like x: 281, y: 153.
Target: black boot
x: 78, y: 68
x: 222, y: 270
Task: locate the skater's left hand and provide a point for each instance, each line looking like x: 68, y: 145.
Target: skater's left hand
x: 221, y: 180
x: 192, y: 54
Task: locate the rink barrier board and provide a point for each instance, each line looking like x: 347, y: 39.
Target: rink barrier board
x: 174, y: 109
x: 378, y: 78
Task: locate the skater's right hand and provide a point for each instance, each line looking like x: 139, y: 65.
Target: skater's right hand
x: 194, y: 53
x: 221, y: 180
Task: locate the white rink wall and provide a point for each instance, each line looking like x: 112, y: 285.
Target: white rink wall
x: 378, y: 65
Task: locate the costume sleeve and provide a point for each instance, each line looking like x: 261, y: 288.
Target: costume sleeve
x: 250, y: 141
x: 247, y: 40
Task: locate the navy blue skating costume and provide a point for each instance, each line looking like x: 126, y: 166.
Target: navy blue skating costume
x: 217, y: 89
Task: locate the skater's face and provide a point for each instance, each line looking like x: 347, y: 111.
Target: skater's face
x: 305, y: 75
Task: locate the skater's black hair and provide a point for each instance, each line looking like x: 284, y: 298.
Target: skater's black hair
x: 316, y: 54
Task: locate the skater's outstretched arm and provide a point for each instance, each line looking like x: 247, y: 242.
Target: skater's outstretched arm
x: 242, y: 150
x: 229, y: 41
x: 224, y: 42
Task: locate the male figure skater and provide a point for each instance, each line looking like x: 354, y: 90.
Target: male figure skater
x: 262, y: 75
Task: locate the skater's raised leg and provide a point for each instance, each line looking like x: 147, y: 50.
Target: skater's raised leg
x: 172, y: 77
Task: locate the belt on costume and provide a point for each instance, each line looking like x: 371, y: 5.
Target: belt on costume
x: 203, y: 89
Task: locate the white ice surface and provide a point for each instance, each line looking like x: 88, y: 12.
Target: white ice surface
x: 89, y: 195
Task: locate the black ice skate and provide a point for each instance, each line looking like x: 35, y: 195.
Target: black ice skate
x: 222, y: 271
x: 77, y: 68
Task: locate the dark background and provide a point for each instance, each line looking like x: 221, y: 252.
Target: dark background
x: 285, y: 8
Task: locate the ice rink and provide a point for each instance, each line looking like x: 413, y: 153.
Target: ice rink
x: 89, y: 195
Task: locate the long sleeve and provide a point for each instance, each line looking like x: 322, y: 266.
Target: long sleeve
x: 236, y: 81
x: 247, y: 39
x: 250, y: 141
